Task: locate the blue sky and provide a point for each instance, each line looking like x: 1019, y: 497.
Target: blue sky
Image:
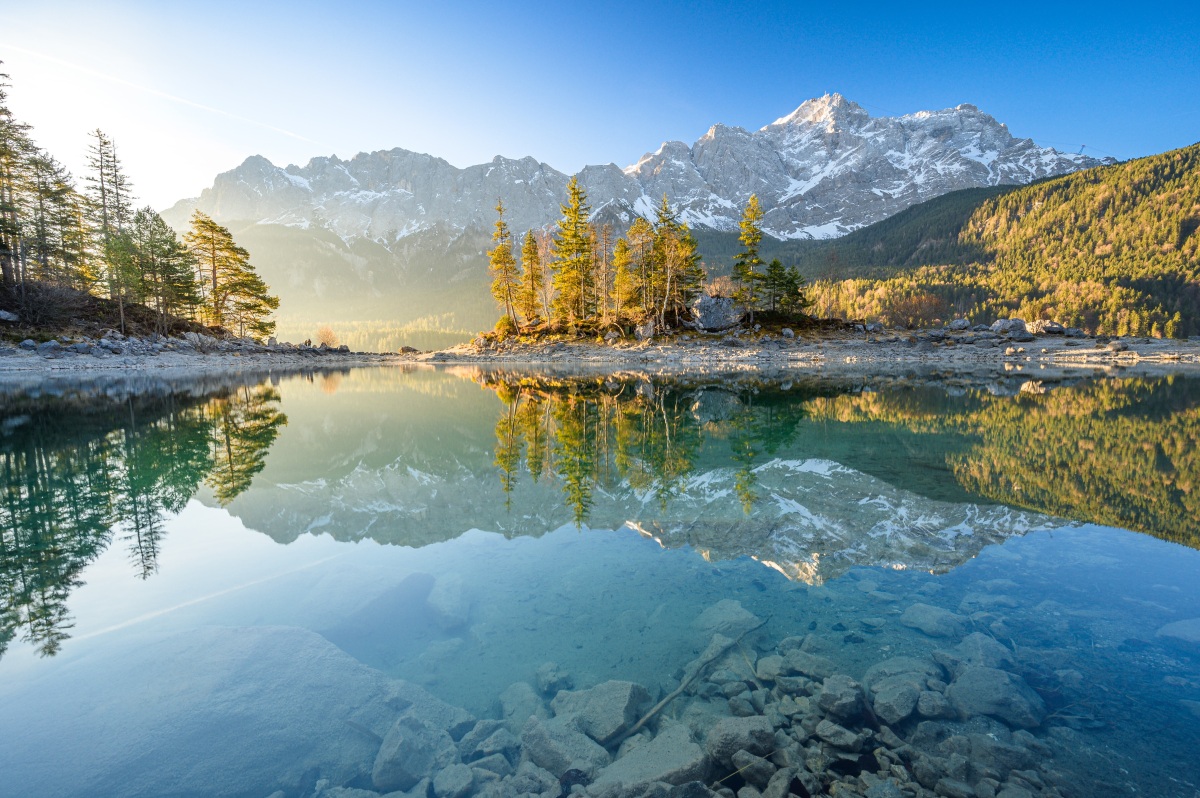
x: 187, y: 93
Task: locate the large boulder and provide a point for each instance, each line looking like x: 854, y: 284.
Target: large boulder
x: 449, y: 602
x: 716, y: 313
x: 896, y: 685
x: 988, y: 691
x: 1009, y: 326
x: 976, y: 649
x: 603, y: 711
x: 1046, y: 327
x: 959, y: 325
x: 412, y: 751
x: 671, y: 757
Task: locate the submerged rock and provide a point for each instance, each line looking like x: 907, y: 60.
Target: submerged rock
x: 1187, y: 631
x: 730, y: 735
x: 412, y: 751
x: 933, y: 621
x: 519, y: 703
x: 671, y: 757
x: 726, y: 617
x: 980, y: 690
x: 603, y: 711
x: 449, y: 602
x: 557, y: 746
x: 841, y: 697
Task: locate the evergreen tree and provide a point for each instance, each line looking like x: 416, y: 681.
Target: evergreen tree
x: 506, y: 279
x: 745, y: 267
x: 678, y: 275
x: 533, y: 278
x: 625, y: 282
x: 111, y: 212
x: 234, y: 294
x: 641, y: 249
x: 15, y: 147
x: 166, y: 268
x: 574, y: 279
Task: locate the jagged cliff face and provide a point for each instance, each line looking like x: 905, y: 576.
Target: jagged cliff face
x: 823, y: 170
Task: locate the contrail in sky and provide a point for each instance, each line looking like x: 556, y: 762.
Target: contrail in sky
x: 157, y: 93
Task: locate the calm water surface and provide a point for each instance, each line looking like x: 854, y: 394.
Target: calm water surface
x: 239, y: 589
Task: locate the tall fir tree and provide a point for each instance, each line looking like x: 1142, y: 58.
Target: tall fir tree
x: 746, y: 272
x: 574, y: 278
x: 533, y: 278
x: 506, y: 279
x: 111, y: 203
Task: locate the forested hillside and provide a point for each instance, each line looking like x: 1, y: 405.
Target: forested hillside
x: 1111, y: 249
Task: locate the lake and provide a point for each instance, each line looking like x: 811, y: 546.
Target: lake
x: 408, y: 581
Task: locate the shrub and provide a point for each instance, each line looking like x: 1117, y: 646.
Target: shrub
x: 326, y: 335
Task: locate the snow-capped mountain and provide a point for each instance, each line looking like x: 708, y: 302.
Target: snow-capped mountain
x: 827, y: 168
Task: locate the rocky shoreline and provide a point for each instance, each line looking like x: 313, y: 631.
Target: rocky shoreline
x: 1005, y: 347
x: 189, y: 355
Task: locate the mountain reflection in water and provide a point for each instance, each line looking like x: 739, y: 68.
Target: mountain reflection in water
x: 809, y: 477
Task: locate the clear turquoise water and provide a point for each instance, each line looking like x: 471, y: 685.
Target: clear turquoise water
x: 210, y: 593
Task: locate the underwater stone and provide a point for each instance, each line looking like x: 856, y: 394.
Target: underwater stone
x: 421, y: 704
x: 601, y: 712
x: 557, y: 746
x: 1187, y: 631
x: 449, y: 602
x: 838, y: 736
x: 895, y: 697
x: 813, y: 666
x: 841, y: 697
x: 975, y: 649
x: 933, y: 621
x: 519, y: 703
x: 726, y: 617
x: 455, y: 781
x: 730, y: 735
x: 551, y: 678
x: 671, y: 757
x: 754, y: 769
x: 411, y: 751
x: 933, y: 705
x: 988, y: 691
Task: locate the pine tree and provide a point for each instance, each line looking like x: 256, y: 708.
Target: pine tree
x: 625, y: 282
x: 166, y: 268
x: 505, y: 277
x: 233, y: 294
x: 745, y: 267
x: 572, y: 266
x: 678, y: 275
x: 15, y: 147
x: 533, y: 278
x: 641, y: 249
x: 111, y: 213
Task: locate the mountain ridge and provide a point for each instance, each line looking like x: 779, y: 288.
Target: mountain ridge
x: 825, y: 169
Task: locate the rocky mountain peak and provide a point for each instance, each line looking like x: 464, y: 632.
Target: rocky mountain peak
x: 827, y: 168
x: 830, y: 110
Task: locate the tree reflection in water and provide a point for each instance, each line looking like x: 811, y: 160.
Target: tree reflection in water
x: 593, y: 433
x: 78, y: 474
